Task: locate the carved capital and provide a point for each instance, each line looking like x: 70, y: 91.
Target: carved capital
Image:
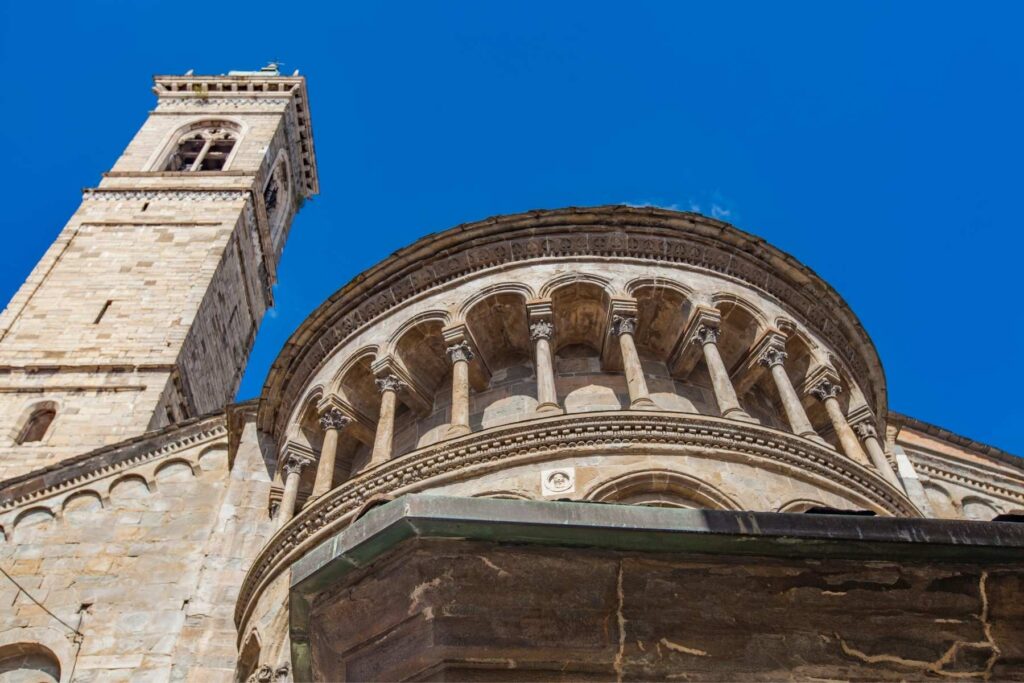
x: 622, y: 324
x: 264, y: 674
x: 332, y: 418
x: 294, y: 465
x: 542, y: 329
x: 389, y: 383
x: 825, y: 389
x: 282, y: 672
x: 772, y: 355
x: 706, y: 334
x: 460, y: 352
x: 865, y: 430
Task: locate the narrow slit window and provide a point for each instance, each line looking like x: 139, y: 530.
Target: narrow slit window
x: 103, y: 312
x: 37, y: 425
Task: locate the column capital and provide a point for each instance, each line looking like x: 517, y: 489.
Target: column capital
x: 772, y: 355
x: 825, y: 388
x: 294, y: 464
x: 460, y: 352
x: 389, y: 383
x: 542, y: 329
x: 865, y: 430
x: 707, y: 334
x: 623, y: 324
x: 332, y: 418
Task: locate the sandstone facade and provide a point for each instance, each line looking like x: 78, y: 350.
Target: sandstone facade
x: 495, y: 381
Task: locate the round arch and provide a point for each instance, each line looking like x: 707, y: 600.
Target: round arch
x: 658, y: 487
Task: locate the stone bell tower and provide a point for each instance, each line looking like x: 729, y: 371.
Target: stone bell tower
x: 144, y: 310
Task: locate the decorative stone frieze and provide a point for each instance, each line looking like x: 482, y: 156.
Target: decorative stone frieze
x: 164, y: 195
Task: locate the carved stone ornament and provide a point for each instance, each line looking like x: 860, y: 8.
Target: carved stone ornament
x: 294, y: 465
x: 389, y: 383
x: 282, y: 672
x: 706, y: 334
x: 772, y: 356
x: 460, y: 351
x: 542, y: 329
x: 865, y: 430
x: 264, y: 674
x: 622, y: 324
x: 825, y: 389
x: 333, y: 419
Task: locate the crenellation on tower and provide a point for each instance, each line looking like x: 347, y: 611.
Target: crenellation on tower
x: 144, y: 310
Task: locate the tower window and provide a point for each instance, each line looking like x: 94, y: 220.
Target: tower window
x: 203, y: 149
x: 37, y: 424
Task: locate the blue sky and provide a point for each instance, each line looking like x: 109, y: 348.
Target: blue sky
x: 879, y: 143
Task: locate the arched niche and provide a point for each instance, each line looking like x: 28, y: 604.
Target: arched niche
x: 82, y: 505
x: 661, y: 488
x: 501, y: 330
x: 978, y: 509
x: 28, y: 663
x: 31, y: 522
x: 130, y: 487
x: 174, y: 472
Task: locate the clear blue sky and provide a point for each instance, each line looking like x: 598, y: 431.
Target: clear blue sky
x: 879, y: 143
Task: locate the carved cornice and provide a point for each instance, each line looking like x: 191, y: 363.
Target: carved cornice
x: 617, y: 432
x: 102, y: 462
x: 189, y: 102
x: 979, y: 479
x: 609, y: 233
x: 105, y: 195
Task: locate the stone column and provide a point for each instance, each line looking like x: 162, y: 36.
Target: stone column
x: 869, y: 435
x: 725, y: 394
x: 624, y: 327
x: 332, y: 422
x: 541, y: 333
x: 773, y: 358
x: 460, y: 354
x: 382, y: 439
x: 826, y: 391
x: 292, y: 473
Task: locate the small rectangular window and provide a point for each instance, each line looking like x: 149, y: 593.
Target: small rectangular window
x: 103, y: 312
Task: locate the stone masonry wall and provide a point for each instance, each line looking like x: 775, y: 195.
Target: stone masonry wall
x: 145, y: 562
